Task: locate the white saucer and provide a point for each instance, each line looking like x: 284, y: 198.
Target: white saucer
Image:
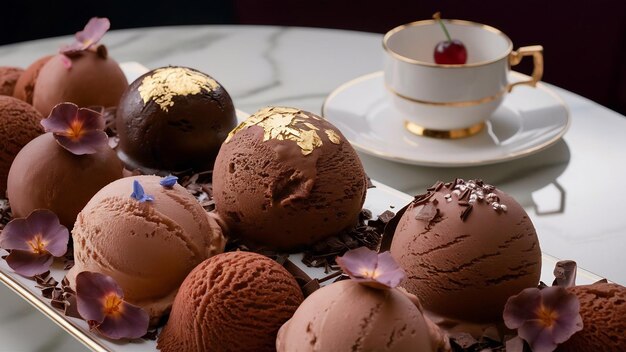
x: 529, y: 120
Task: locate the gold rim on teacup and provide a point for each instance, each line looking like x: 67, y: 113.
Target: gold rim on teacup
x: 432, y: 64
x: 443, y: 134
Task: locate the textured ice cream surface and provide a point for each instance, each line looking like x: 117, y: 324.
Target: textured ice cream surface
x: 286, y: 178
x: 173, y: 119
x: 148, y: 248
x: 25, y: 85
x: 603, y: 309
x: 465, y: 258
x: 234, y: 301
x: 348, y: 316
x: 93, y: 79
x: 8, y: 78
x: 44, y: 175
x: 19, y: 124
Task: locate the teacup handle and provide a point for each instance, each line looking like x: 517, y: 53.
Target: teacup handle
x: 516, y: 56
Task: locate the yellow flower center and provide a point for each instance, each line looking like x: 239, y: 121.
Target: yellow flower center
x: 112, y: 305
x: 76, y: 129
x: 546, y: 316
x: 37, y: 244
x: 373, y: 274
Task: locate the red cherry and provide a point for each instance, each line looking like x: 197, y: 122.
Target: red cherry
x: 450, y: 52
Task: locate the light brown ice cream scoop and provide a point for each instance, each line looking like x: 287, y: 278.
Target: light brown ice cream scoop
x: 148, y: 248
x: 287, y: 178
x: 348, y: 316
x: 603, y: 309
x: 234, y: 301
x: 466, y: 248
x: 8, y: 78
x: 19, y: 124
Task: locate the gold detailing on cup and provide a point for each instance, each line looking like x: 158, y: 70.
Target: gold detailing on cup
x: 536, y: 51
x: 444, y: 134
x: 454, y: 104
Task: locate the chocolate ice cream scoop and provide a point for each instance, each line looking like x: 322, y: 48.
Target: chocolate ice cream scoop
x: 173, y: 119
x: 148, y: 247
x: 19, y: 124
x: 286, y: 178
x: 93, y: 79
x: 44, y: 175
x: 348, y: 316
x: 603, y: 309
x: 466, y: 248
x: 8, y: 79
x: 25, y: 85
x: 234, y: 301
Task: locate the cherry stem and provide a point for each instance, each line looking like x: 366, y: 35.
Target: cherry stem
x: 437, y: 17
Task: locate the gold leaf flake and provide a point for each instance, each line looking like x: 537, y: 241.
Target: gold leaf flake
x: 167, y: 82
x: 281, y: 123
x: 333, y: 136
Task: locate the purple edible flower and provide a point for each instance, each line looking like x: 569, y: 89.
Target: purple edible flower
x: 139, y: 194
x: 34, y: 241
x: 168, y: 181
x: 88, y: 37
x: 378, y: 270
x: 78, y: 130
x: 100, y: 301
x: 543, y: 318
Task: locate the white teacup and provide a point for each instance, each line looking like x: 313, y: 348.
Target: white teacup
x: 451, y: 101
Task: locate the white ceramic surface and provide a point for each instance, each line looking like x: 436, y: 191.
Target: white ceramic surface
x: 446, y: 97
x: 378, y: 200
x: 530, y: 120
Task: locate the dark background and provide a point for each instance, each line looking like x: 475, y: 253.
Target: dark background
x: 584, y: 41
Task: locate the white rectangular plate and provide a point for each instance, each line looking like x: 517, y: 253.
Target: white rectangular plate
x: 378, y: 200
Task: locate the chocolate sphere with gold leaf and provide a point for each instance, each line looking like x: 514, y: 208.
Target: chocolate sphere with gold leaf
x: 286, y: 178
x: 173, y: 119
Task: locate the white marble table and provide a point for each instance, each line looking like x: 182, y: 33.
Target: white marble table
x: 572, y: 190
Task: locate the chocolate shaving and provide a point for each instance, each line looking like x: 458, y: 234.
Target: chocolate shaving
x: 422, y: 198
x: 307, y: 285
x: 428, y: 212
x: 369, y: 183
x: 464, y: 340
x: 367, y: 233
x: 59, y: 304
x: 151, y: 335
x: 390, y: 229
x: 465, y: 213
x: 565, y: 273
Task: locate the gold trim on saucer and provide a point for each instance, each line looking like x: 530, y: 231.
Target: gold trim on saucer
x: 474, y: 162
x: 460, y: 22
x: 443, y: 134
x: 454, y: 104
x: 51, y: 313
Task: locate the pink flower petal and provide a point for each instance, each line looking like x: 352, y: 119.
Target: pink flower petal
x: 91, y: 291
x: 60, y: 118
x: 89, y: 143
x: 93, y: 32
x: 54, y: 235
x: 354, y: 261
x: 78, y: 130
x: 132, y: 323
x: 391, y: 274
x: 538, y: 337
x: 15, y: 235
x: 521, y: 307
x: 27, y: 263
x: 66, y: 61
x: 370, y: 268
x: 92, y: 119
